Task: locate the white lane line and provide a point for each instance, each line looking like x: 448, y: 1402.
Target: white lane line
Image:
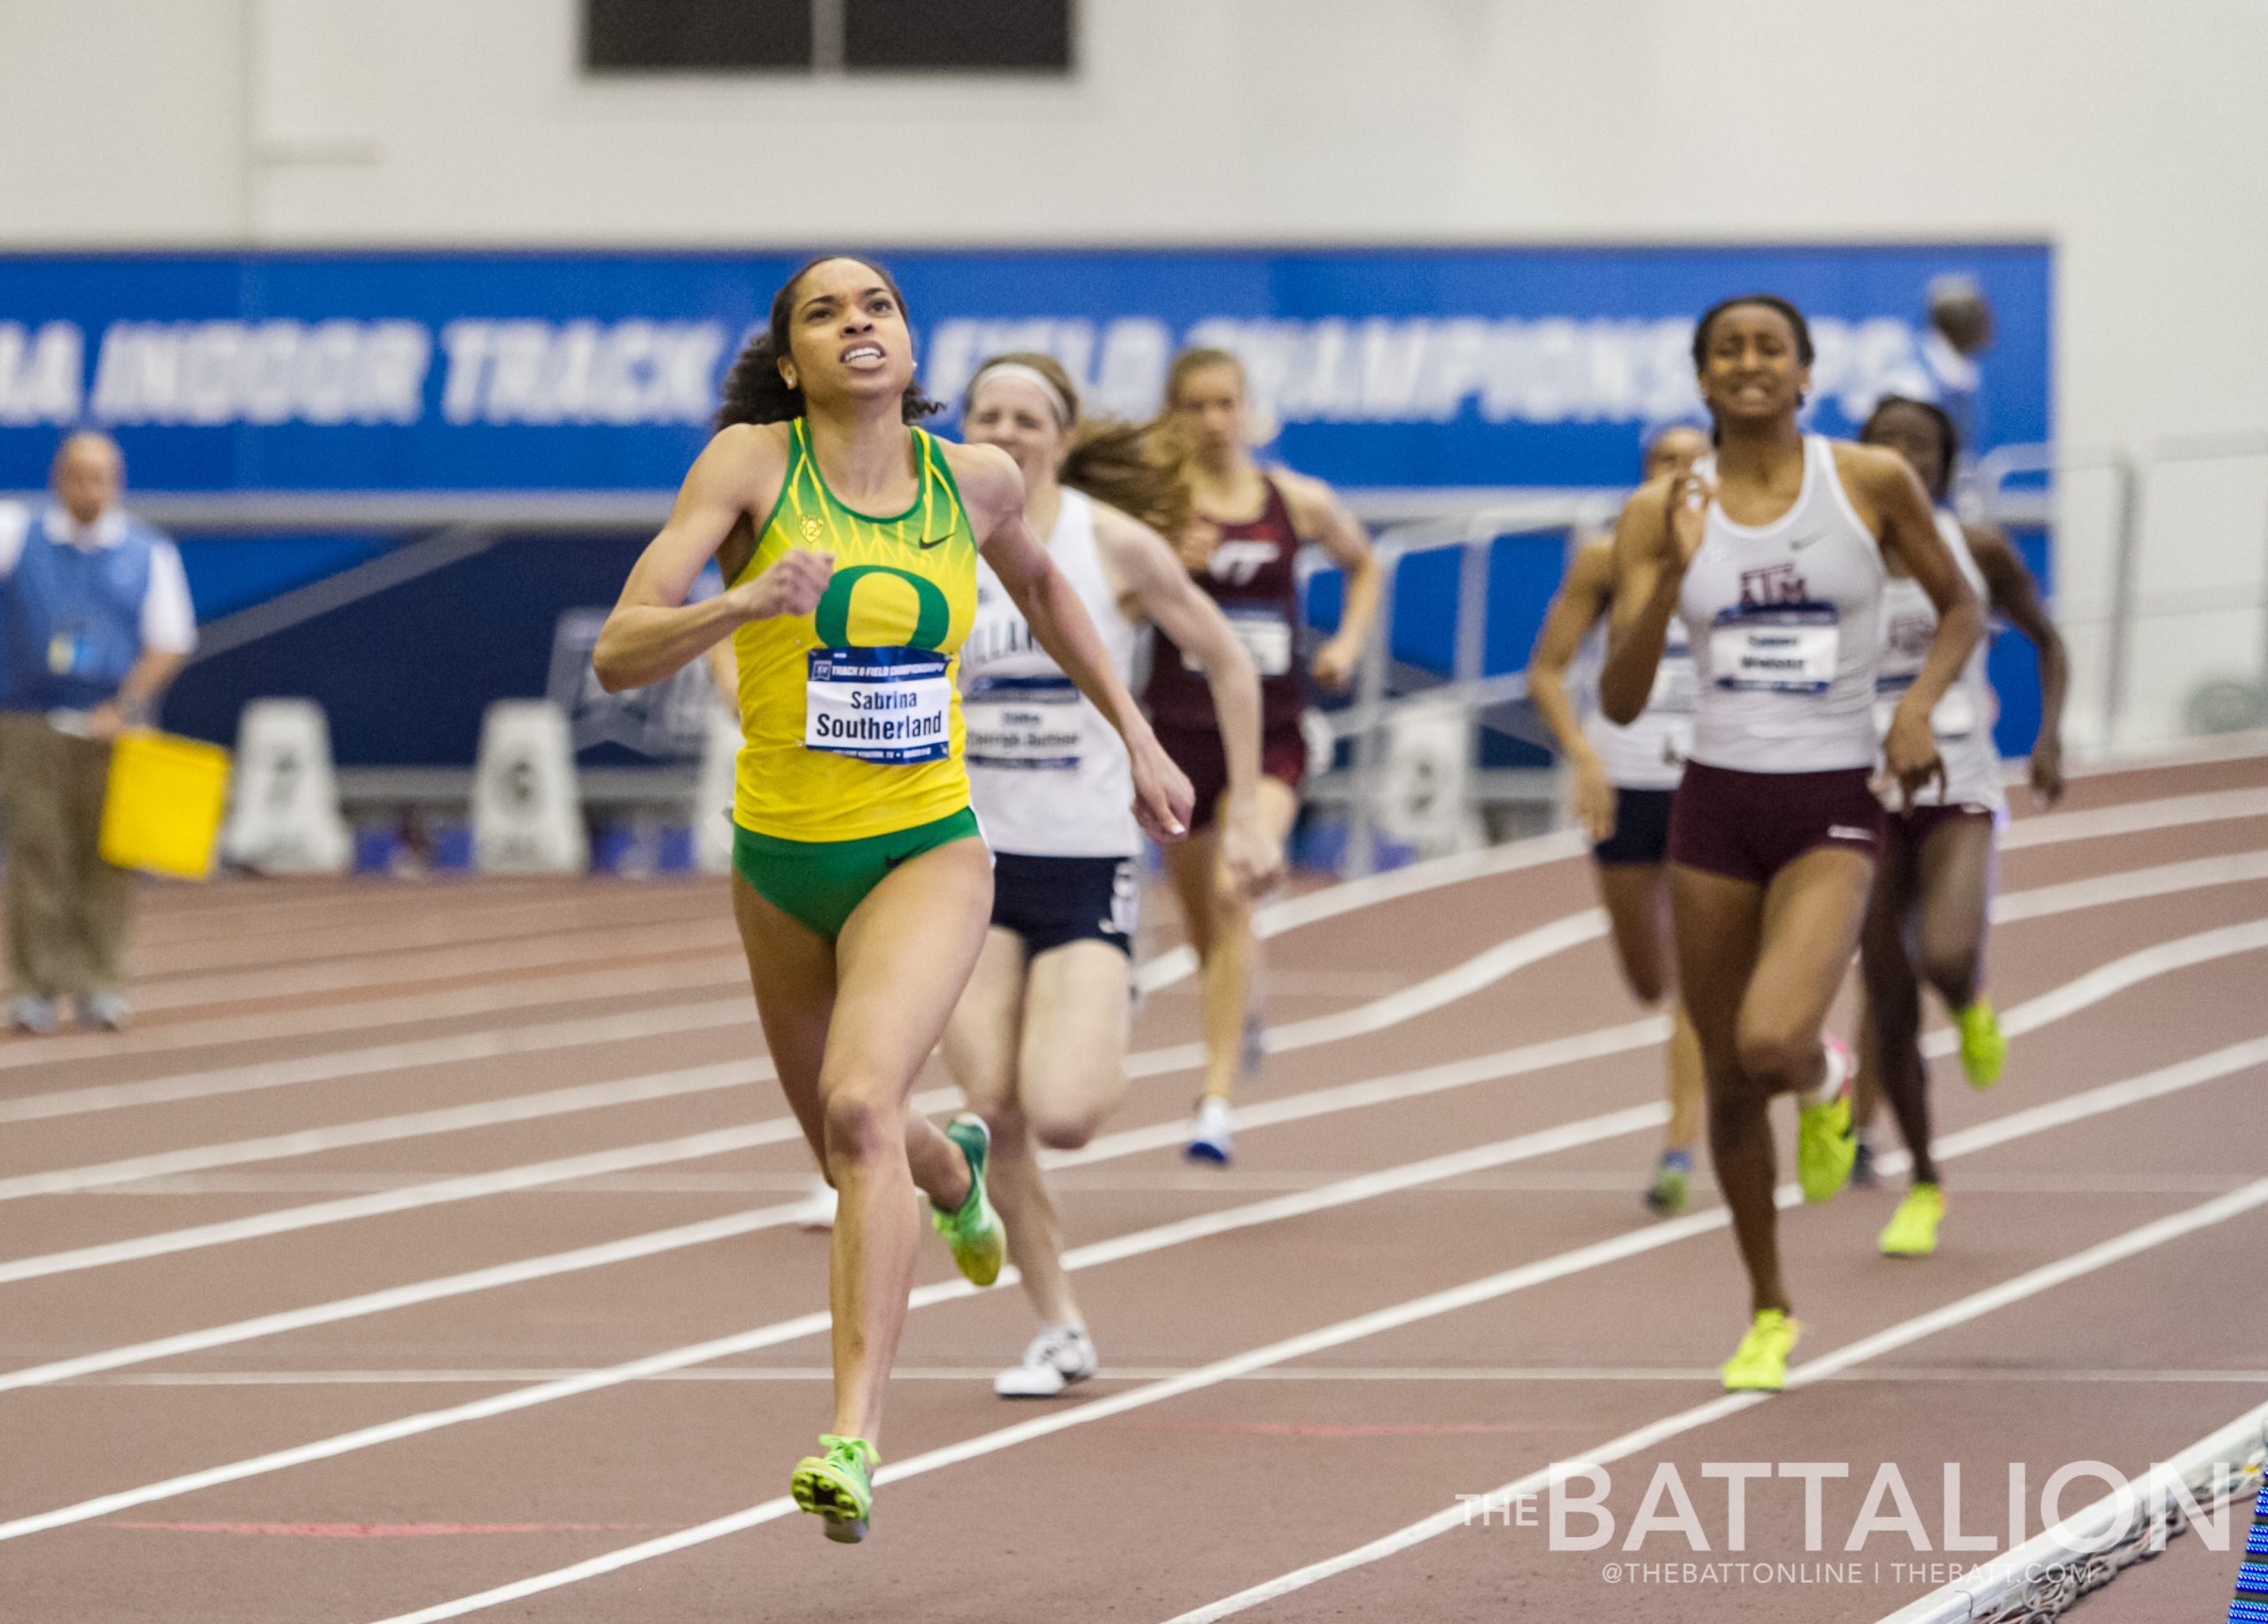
x: 2242, y: 745
x: 2188, y: 1074
x: 1476, y: 973
x: 368, y: 932
x: 2048, y: 828
x: 1168, y: 968
x: 335, y: 1065
x: 2130, y: 1244
x: 1507, y: 1063
x: 1519, y: 1375
x: 592, y: 947
x: 2172, y: 812
x: 2131, y: 885
x: 320, y: 1019
x: 1484, y: 969
x: 2031, y: 1284
x: 389, y: 1129
x: 2019, y: 1019
x: 531, y: 1176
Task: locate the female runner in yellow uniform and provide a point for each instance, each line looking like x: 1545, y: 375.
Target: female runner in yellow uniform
x: 849, y: 543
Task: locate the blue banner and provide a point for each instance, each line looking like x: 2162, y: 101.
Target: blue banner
x: 588, y: 371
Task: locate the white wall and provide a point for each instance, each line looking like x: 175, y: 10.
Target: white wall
x: 2136, y: 137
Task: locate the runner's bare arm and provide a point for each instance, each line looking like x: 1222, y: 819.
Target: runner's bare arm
x: 2015, y: 594
x: 1650, y: 558
x: 653, y: 632
x: 1583, y: 597
x: 993, y: 491
x: 1319, y: 516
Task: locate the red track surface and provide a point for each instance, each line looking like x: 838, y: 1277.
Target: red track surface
x: 334, y: 998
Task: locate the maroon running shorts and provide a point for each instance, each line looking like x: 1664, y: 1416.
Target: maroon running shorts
x: 1750, y: 826
x: 1197, y: 751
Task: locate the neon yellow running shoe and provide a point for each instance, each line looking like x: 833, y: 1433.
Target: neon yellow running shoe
x: 1912, y: 1231
x: 837, y: 1485
x: 1825, y: 1147
x: 1984, y: 1050
x: 1671, y: 1190
x: 973, y: 1232
x: 1760, y: 1364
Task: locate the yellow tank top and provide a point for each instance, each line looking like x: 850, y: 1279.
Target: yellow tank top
x: 850, y: 720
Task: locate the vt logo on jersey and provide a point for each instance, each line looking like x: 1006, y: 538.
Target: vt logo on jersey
x: 1775, y: 583
x: 1238, y: 561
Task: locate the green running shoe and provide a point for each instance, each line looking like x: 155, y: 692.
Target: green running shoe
x: 1984, y: 1050
x: 1760, y: 1364
x: 837, y: 1485
x: 1912, y: 1231
x: 1825, y: 1146
x: 973, y: 1232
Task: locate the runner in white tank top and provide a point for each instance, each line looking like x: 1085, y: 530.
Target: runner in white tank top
x: 1622, y: 780
x: 1774, y: 559
x: 1782, y: 617
x: 1038, y: 1041
x: 1927, y: 917
x: 1047, y: 773
x: 1963, y: 723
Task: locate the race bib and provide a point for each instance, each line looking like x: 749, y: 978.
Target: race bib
x: 1026, y: 724
x: 879, y: 704
x: 1266, y: 636
x: 1790, y: 649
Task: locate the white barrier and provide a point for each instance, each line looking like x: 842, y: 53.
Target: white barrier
x: 712, y: 794
x: 284, y: 816
x: 527, y: 808
x: 1425, y: 799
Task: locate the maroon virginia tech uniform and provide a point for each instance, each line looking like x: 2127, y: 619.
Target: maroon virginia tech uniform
x: 1250, y: 576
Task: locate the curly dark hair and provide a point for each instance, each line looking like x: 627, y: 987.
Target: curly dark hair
x: 754, y: 391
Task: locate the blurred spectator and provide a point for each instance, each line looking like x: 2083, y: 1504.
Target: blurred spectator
x: 95, y: 619
x: 1961, y: 330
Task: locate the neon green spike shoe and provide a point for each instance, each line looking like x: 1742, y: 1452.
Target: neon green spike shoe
x: 1760, y: 1364
x: 1825, y: 1147
x: 973, y: 1232
x: 1912, y: 1231
x: 838, y: 1486
x: 1984, y: 1050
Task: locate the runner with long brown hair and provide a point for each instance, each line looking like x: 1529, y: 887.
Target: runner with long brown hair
x: 1249, y: 525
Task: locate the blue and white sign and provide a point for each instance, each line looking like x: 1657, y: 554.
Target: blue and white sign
x: 1417, y: 366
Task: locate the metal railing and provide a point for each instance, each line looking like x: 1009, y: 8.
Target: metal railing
x: 1387, y: 687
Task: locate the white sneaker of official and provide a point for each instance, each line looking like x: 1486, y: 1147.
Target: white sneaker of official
x: 527, y: 807
x: 284, y: 810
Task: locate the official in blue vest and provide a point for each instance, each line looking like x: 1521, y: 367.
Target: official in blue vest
x: 95, y: 619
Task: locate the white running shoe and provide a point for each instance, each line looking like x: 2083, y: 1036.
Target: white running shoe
x: 818, y: 1210
x: 1057, y: 1357
x: 1212, y: 1137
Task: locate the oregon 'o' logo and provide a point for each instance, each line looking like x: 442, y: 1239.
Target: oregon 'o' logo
x: 873, y: 606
